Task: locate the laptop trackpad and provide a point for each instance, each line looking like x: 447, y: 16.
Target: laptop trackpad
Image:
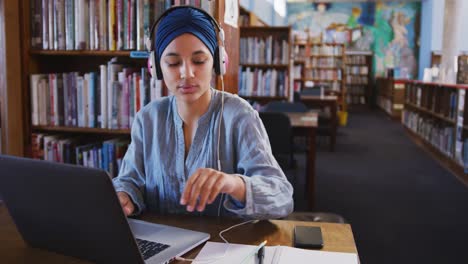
x: 144, y: 229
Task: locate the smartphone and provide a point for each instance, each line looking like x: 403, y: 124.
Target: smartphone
x: 308, y: 237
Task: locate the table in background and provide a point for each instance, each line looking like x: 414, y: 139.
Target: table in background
x: 336, y: 237
x: 330, y: 101
x: 305, y: 124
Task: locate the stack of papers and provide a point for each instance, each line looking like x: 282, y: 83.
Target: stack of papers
x: 214, y: 252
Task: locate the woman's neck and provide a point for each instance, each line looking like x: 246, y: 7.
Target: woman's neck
x: 191, y: 112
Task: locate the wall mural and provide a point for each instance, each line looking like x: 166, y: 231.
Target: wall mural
x: 385, y: 28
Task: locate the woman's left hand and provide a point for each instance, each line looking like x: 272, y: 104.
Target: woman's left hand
x: 205, y: 185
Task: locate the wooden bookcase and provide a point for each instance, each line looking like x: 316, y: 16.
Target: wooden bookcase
x: 320, y: 63
x: 358, y: 77
x: 436, y: 118
x: 391, y: 95
x: 248, y: 18
x: 38, y: 61
x: 264, y: 68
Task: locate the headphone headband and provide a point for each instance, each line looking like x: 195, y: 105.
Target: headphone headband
x: 219, y: 54
x: 150, y: 46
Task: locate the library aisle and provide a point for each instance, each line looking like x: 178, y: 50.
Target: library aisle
x: 403, y: 206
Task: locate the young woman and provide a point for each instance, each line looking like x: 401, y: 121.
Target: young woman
x: 174, y: 163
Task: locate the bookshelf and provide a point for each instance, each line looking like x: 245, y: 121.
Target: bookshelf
x: 264, y: 68
x: 436, y: 119
x: 93, y: 136
x: 322, y: 64
x: 358, y: 77
x: 391, y: 95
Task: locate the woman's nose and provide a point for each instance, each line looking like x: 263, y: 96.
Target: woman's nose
x: 186, y: 71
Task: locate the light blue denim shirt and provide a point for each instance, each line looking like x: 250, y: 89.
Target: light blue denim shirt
x: 154, y: 170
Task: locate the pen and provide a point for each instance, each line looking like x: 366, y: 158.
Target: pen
x: 252, y: 253
x: 261, y: 254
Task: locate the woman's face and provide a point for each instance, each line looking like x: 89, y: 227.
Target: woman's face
x: 187, y: 66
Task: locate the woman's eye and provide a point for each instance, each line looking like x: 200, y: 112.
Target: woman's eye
x: 198, y: 62
x: 173, y: 64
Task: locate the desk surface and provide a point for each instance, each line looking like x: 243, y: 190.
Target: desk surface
x: 307, y: 119
x: 336, y: 237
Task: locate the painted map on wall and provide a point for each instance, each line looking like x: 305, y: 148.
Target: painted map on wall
x: 388, y: 28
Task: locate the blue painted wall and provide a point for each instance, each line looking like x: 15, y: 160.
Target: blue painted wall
x: 426, y: 39
x: 264, y: 9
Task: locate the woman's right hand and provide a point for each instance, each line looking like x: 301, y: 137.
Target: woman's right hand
x: 126, y: 203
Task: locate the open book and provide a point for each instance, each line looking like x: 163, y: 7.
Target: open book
x: 214, y: 252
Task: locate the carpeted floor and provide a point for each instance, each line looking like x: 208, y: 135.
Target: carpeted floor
x: 402, y: 205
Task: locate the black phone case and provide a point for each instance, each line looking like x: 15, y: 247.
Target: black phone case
x: 308, y: 237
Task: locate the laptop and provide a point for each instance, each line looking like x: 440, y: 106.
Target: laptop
x: 75, y: 211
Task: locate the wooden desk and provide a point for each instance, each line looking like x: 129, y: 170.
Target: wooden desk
x: 336, y: 237
x: 314, y: 101
x: 305, y: 124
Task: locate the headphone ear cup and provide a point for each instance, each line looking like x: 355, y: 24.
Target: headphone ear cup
x: 216, y: 61
x: 157, y: 67
x: 220, y: 61
x: 152, y: 65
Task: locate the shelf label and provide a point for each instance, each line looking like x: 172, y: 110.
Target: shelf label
x: 398, y: 106
x: 399, y: 86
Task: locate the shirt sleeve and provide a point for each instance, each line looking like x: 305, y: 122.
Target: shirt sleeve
x: 268, y: 192
x: 131, y: 177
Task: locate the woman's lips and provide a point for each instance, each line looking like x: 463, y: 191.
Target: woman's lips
x: 187, y: 89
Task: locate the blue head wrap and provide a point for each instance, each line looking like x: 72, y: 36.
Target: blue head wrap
x: 185, y: 20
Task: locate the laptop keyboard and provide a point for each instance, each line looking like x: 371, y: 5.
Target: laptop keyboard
x: 149, y: 248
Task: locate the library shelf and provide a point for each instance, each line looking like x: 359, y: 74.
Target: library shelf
x: 445, y: 161
x: 320, y: 62
x: 87, y: 130
x: 81, y: 53
x: 391, y: 95
x: 435, y: 116
x: 271, y: 47
x: 359, y: 79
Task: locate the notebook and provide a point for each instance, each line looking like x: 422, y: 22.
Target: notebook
x: 75, y: 211
x: 213, y: 252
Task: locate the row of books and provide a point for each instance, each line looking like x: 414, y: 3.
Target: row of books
x: 357, y: 70
x: 331, y: 62
x: 439, y: 135
x: 269, y: 50
x: 385, y: 104
x: 356, y: 89
x: 355, y: 99
x: 109, y: 98
x: 297, y: 71
x: 322, y: 74
x: 355, y: 59
x: 356, y: 79
x: 106, y: 155
x: 326, y: 50
x: 299, y: 52
x: 441, y: 100
x: 258, y: 82
x: 97, y: 24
